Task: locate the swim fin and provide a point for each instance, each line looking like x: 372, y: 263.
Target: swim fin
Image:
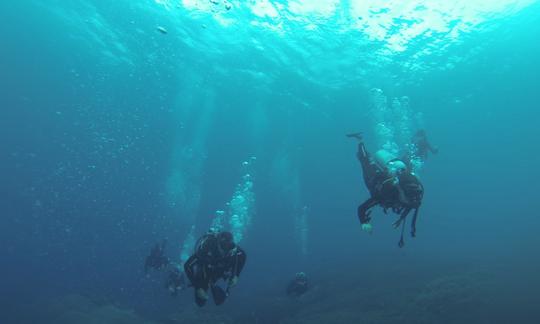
x: 219, y: 295
x: 355, y: 135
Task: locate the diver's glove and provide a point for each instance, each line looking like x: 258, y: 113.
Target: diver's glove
x: 202, y: 294
x: 367, y: 227
x: 233, y: 281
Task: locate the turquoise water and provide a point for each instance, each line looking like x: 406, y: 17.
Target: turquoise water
x: 125, y: 122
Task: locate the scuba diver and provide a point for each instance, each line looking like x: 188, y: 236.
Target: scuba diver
x: 298, y: 286
x: 216, y: 257
x: 391, y: 185
x: 175, y: 281
x: 157, y: 260
x: 422, y: 145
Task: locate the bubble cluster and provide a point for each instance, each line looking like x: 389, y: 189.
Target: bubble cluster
x: 188, y: 245
x: 219, y: 221
x: 394, y: 126
x: 241, y: 207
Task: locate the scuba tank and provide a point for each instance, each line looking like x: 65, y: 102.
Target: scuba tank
x: 201, y: 243
x: 389, y: 163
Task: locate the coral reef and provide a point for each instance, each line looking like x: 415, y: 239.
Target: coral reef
x: 391, y: 295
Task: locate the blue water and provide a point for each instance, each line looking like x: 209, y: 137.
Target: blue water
x: 126, y: 122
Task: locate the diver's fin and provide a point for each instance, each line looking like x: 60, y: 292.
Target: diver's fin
x: 355, y: 135
x: 219, y: 295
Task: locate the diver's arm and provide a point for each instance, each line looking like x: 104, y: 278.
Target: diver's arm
x: 189, y: 268
x: 363, y: 210
x: 239, y: 261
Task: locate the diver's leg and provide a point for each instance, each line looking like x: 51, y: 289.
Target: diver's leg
x: 218, y: 293
x: 369, y: 169
x: 363, y: 155
x: 201, y: 291
x: 200, y: 282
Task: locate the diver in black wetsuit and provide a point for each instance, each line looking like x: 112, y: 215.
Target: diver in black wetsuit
x: 422, y: 145
x: 392, y: 186
x: 216, y: 257
x: 298, y: 286
x: 157, y: 260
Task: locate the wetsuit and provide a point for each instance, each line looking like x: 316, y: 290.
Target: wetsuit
x: 210, y: 263
x: 157, y: 260
x: 297, y: 287
x: 381, y: 186
x: 423, y: 146
x: 401, y: 194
